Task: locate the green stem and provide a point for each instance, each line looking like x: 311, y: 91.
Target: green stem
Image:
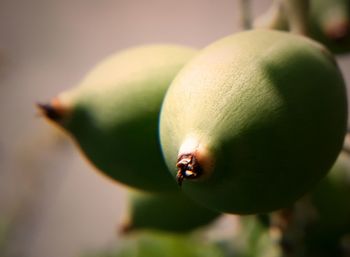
x: 273, y: 18
x: 297, y: 12
x: 245, y: 14
x: 292, y: 15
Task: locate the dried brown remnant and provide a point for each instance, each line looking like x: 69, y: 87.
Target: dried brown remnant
x: 339, y: 31
x: 49, y: 111
x: 52, y: 110
x: 125, y: 229
x: 188, y: 168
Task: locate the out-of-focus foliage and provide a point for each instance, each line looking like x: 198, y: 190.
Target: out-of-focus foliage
x: 166, y: 212
x: 155, y: 244
x: 255, y: 240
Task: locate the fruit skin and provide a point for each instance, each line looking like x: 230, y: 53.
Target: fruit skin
x: 330, y: 200
x: 321, y: 219
x: 171, y: 212
x: 113, y: 113
x: 264, y: 112
x: 330, y: 24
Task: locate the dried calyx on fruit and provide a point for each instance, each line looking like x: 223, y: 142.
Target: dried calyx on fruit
x: 254, y: 121
x: 113, y: 113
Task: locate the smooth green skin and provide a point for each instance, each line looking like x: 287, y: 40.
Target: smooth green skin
x: 113, y: 114
x: 331, y: 201
x: 329, y: 206
x: 270, y: 107
x: 173, y: 212
x: 324, y: 13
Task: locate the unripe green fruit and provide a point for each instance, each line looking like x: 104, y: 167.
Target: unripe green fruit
x: 254, y: 121
x: 172, y: 212
x: 321, y: 218
x: 330, y: 200
x: 113, y: 113
x: 330, y: 24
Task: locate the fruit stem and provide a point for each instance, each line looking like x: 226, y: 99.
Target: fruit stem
x: 245, y: 14
x: 188, y: 168
x: 274, y: 18
x: 297, y: 12
x: 283, y: 14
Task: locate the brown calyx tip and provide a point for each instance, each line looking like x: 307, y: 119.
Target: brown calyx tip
x: 125, y: 229
x: 339, y: 31
x: 54, y: 110
x: 188, y: 168
x: 49, y: 111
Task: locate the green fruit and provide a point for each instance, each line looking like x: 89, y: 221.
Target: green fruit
x: 330, y: 24
x: 330, y: 200
x: 321, y: 218
x: 173, y: 212
x: 113, y: 113
x: 254, y: 121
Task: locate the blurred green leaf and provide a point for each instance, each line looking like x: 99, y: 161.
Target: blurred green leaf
x: 156, y: 244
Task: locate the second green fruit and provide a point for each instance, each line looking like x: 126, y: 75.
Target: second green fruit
x: 171, y: 212
x: 113, y: 113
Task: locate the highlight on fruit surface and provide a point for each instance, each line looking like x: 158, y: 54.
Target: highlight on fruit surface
x: 254, y: 121
x: 170, y: 212
x: 113, y: 113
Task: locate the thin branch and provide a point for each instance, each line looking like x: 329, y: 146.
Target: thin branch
x: 297, y: 12
x: 245, y: 14
x: 273, y: 18
x: 292, y: 15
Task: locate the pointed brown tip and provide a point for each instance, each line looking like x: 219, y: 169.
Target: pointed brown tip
x: 54, y: 110
x: 338, y: 31
x: 179, y: 177
x: 125, y: 229
x: 188, y: 168
x: 49, y: 111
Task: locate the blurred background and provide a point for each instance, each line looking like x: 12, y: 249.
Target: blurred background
x: 52, y: 203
